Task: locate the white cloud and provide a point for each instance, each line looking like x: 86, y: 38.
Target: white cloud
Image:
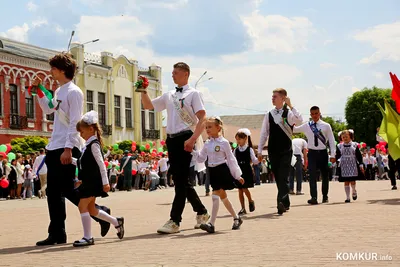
x: 39, y: 22
x: 355, y: 89
x: 385, y: 38
x: 175, y: 4
x: 278, y: 33
x: 59, y: 29
x: 327, y: 65
x: 326, y: 42
x: 138, y: 4
x: 31, y: 6
x: 378, y: 75
x: 18, y: 33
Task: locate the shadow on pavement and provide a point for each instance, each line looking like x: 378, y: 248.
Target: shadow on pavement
x: 392, y: 201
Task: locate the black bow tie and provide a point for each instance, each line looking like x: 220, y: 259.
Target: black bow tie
x: 179, y: 89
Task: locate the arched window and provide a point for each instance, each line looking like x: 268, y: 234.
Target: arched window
x: 14, y: 99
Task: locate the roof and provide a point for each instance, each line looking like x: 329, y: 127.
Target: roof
x: 25, y: 50
x: 244, y: 121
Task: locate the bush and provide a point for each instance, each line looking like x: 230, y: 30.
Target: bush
x: 28, y: 144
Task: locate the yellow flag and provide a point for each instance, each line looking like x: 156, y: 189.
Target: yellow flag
x: 390, y: 130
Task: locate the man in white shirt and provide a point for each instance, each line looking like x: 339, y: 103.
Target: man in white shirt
x: 277, y: 127
x: 318, y: 134
x: 163, y: 166
x: 40, y: 169
x: 300, y: 152
x: 65, y: 144
x: 185, y: 110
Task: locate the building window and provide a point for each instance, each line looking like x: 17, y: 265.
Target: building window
x: 14, y: 99
x: 152, y: 120
x: 117, y: 110
x: 50, y: 117
x: 89, y: 100
x: 128, y: 112
x: 102, y: 108
x: 143, y: 118
x: 29, y: 104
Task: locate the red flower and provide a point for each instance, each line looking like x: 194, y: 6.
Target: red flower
x: 142, y: 82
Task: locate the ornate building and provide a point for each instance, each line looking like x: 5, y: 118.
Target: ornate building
x: 107, y: 83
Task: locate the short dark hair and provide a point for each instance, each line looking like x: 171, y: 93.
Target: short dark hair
x: 182, y: 66
x: 64, y: 62
x: 41, y: 150
x: 280, y: 91
x: 314, y: 108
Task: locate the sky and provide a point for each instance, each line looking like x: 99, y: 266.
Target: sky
x: 321, y: 52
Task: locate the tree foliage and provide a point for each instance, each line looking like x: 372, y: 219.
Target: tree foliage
x: 363, y: 115
x: 28, y: 144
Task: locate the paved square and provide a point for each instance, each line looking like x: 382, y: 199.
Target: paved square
x: 305, y: 236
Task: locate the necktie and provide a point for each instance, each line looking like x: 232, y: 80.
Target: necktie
x: 179, y: 89
x: 315, y: 137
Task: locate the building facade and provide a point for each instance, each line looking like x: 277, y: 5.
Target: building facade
x: 106, y: 81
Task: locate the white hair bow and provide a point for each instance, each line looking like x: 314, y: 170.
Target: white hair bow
x: 245, y: 131
x: 351, y: 130
x: 91, y: 117
x: 339, y: 133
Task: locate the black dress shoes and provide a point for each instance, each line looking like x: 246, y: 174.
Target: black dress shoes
x: 313, y: 201
x: 50, y: 241
x: 105, y: 226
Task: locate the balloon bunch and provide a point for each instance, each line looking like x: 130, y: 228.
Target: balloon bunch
x: 5, y: 152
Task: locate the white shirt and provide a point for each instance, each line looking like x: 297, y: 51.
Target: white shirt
x: 326, y: 130
x: 71, y: 97
x: 38, y: 162
x: 114, y: 172
x: 294, y: 117
x: 218, y: 150
x: 96, y: 152
x: 192, y: 103
x: 162, y: 164
x: 298, y: 145
x: 369, y: 160
x: 252, y: 154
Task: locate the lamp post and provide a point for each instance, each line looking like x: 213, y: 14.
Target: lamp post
x: 201, y: 77
x: 92, y: 41
x: 70, y: 39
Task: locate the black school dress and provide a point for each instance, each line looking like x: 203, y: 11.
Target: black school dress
x: 244, y: 161
x: 89, y: 174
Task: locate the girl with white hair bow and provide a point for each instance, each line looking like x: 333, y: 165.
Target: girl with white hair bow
x: 93, y: 180
x: 245, y: 156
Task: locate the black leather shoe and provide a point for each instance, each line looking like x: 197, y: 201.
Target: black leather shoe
x: 105, y: 226
x: 312, y: 201
x: 281, y: 208
x: 50, y: 241
x: 325, y: 200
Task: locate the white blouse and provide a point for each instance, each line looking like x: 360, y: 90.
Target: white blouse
x: 218, y: 151
x: 253, y: 157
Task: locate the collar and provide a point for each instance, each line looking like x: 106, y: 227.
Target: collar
x: 66, y: 85
x: 93, y: 137
x: 219, y: 138
x: 243, y: 147
x: 185, y: 87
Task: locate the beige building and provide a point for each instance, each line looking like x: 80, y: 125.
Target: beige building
x: 108, y: 86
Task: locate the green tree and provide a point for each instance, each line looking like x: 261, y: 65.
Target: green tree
x: 363, y: 115
x: 125, y: 145
x: 28, y: 144
x: 336, y: 125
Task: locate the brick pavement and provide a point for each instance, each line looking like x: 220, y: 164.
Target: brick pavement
x: 305, y: 236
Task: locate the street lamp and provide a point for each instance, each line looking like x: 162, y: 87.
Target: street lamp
x: 70, y: 39
x: 205, y: 81
x: 198, y: 81
x: 92, y: 41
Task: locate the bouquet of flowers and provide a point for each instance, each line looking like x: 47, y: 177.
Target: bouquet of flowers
x: 141, y: 84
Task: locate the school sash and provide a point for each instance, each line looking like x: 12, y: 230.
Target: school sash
x: 317, y: 133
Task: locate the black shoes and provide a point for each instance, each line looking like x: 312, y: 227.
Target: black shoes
x: 347, y: 201
x: 105, y: 226
x: 208, y: 227
x: 281, y: 208
x: 252, y: 206
x: 313, y: 201
x: 84, y: 242
x: 120, y: 226
x: 394, y: 187
x: 242, y: 212
x: 325, y: 200
x: 49, y: 241
x: 237, y: 223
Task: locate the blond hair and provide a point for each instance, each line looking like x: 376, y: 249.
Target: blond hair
x: 96, y: 126
x: 280, y: 91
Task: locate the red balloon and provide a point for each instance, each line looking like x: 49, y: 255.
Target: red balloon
x: 162, y: 142
x: 142, y: 153
x: 147, y: 146
x: 383, y: 148
x: 377, y: 146
x: 134, y: 172
x: 153, y: 154
x: 4, y: 183
x: 364, y: 145
x: 133, y: 143
x: 9, y: 147
x: 133, y: 147
x: 106, y: 163
x: 359, y: 146
x: 3, y: 154
x: 382, y: 143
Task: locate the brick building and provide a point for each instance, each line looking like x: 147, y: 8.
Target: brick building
x: 20, y: 113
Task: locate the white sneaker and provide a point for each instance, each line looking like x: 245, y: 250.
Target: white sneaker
x: 169, y: 227
x: 201, y: 219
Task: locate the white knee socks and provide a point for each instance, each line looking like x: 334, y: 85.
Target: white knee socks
x: 106, y: 217
x: 87, y: 225
x: 347, y: 190
x: 229, y: 207
x: 215, y: 208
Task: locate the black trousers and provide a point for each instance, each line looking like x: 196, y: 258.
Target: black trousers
x: 179, y: 161
x: 393, y: 167
x: 370, y: 173
x: 318, y: 160
x: 280, y: 166
x: 60, y: 185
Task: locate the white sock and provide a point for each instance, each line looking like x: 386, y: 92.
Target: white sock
x: 215, y: 208
x: 106, y: 217
x: 347, y: 190
x: 87, y: 225
x: 24, y: 194
x: 229, y: 207
x: 353, y: 187
x: 114, y: 186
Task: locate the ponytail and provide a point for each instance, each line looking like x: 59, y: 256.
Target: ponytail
x: 99, y: 133
x: 249, y: 141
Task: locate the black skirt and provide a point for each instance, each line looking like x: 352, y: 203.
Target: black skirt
x: 221, y: 178
x: 248, y: 177
x: 88, y: 189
